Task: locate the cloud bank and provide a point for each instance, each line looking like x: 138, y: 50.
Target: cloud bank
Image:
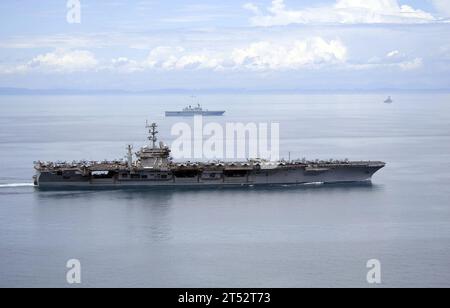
x: 341, y: 12
x: 257, y: 56
x: 261, y: 56
x: 59, y: 61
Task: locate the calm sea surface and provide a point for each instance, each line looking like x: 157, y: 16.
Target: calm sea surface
x: 250, y: 237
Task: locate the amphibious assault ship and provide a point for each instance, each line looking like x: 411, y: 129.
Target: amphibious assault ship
x: 155, y: 168
x: 190, y: 111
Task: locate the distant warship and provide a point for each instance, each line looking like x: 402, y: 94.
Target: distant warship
x: 190, y: 111
x: 388, y: 100
x: 155, y: 168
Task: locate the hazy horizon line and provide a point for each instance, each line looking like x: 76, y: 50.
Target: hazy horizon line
x: 187, y: 91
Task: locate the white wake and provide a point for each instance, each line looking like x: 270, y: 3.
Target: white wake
x: 16, y: 185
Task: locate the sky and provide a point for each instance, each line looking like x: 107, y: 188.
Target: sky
x: 138, y: 45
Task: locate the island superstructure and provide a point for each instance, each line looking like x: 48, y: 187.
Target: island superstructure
x: 153, y: 167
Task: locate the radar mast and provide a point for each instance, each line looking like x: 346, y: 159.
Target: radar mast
x: 153, y: 132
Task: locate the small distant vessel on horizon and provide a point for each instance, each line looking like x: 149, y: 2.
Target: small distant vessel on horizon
x: 190, y: 111
x: 388, y: 100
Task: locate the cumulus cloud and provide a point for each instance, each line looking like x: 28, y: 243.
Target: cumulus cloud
x: 164, y: 57
x: 341, y: 12
x: 411, y: 64
x: 125, y: 65
x: 177, y: 58
x: 71, y: 61
x: 307, y: 53
x: 251, y: 7
x: 393, y: 54
x: 393, y: 59
x: 57, y: 62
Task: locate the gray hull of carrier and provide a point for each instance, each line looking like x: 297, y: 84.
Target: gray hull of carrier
x: 154, y: 168
x: 291, y: 174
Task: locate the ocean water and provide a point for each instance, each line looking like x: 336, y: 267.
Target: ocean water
x: 305, y: 236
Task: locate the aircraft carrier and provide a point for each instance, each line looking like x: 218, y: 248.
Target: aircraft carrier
x: 153, y: 167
